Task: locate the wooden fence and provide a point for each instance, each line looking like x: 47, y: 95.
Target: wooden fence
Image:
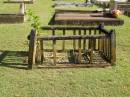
x: 89, y: 39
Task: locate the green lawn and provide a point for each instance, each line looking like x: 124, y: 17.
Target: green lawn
x: 16, y: 81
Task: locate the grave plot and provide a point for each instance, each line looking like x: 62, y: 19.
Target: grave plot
x: 62, y: 47
x: 18, y: 17
x: 124, y: 7
x: 84, y: 18
x: 11, y: 18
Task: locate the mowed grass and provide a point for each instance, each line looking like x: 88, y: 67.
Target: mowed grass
x: 16, y: 81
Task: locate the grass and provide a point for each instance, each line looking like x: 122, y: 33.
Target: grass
x: 16, y: 81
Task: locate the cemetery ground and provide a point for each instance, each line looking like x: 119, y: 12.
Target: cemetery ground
x: 17, y: 81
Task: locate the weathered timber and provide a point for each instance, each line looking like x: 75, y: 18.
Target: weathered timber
x: 84, y: 41
x: 67, y: 28
x: 70, y: 37
x: 42, y: 51
x: 113, y: 47
x: 54, y: 48
x: 91, y: 51
x: 32, y: 48
x: 89, y: 41
x: 79, y: 47
x: 76, y: 66
x: 74, y: 41
x: 63, y: 44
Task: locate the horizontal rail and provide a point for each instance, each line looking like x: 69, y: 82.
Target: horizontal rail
x: 69, y: 28
x: 71, y: 37
x: 75, y: 66
x: 104, y: 31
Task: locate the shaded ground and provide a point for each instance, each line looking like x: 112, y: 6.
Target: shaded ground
x: 13, y: 59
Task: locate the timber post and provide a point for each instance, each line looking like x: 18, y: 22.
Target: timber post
x: 101, y: 26
x: 113, y: 47
x: 32, y: 49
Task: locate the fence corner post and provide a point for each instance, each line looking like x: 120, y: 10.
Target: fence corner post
x: 32, y: 49
x: 100, y: 26
x: 113, y: 47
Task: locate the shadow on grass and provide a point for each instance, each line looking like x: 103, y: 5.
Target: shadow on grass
x: 127, y: 14
x: 13, y: 59
x: 52, y: 20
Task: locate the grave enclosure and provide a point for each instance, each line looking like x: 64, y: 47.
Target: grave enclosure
x: 84, y: 18
x: 90, y: 47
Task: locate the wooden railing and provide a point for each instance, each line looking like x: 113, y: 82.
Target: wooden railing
x: 90, y: 39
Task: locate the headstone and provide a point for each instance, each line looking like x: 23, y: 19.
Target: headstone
x: 22, y: 8
x: 0, y: 53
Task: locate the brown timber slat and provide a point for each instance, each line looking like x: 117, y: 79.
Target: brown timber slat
x: 89, y: 41
x: 63, y: 43
x: 84, y: 41
x: 76, y: 66
x: 74, y: 41
x: 42, y: 51
x: 109, y: 49
x: 99, y: 41
x: 95, y: 32
x: 71, y: 37
x: 54, y: 52
x: 104, y: 46
x: 68, y: 28
x: 54, y: 48
x: 113, y: 47
x: 91, y: 51
x: 79, y: 46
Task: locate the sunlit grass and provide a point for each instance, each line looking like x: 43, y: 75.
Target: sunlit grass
x: 16, y: 81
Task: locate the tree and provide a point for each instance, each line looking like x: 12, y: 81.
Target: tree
x: 35, y: 20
